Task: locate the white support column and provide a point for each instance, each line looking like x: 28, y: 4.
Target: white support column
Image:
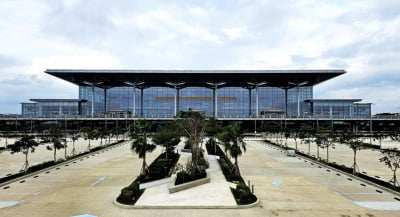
x: 257, y: 115
x: 176, y: 98
x: 215, y: 95
x: 134, y: 85
x: 92, y: 101
x: 298, y: 85
x: 134, y: 101
x: 257, y: 85
x: 298, y: 101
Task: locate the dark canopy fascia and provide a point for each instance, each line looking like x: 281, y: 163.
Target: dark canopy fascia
x: 197, y: 78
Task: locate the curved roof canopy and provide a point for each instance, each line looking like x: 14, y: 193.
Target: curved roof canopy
x: 198, y: 78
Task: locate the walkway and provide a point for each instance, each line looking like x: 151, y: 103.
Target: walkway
x: 287, y: 186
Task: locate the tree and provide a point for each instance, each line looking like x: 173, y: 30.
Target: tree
x: 306, y: 133
x: 167, y: 136
x: 140, y: 144
x: 232, y: 140
x: 74, y: 138
x: 213, y: 128
x: 89, y: 135
x: 193, y: 124
x: 391, y: 158
x: 55, y: 137
x: 354, y: 142
x: 319, y: 141
x: 102, y: 133
x: 25, y: 145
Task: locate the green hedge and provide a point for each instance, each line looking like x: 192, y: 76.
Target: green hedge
x: 243, y: 194
x: 129, y: 195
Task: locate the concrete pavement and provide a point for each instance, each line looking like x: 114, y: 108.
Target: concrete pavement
x: 286, y: 186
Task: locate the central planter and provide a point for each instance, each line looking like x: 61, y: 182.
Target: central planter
x: 176, y: 188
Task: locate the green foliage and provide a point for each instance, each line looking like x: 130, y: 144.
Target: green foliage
x: 129, y: 195
x: 192, y: 124
x: 391, y: 158
x: 232, y: 140
x: 56, y: 138
x: 167, y: 136
x: 191, y: 171
x: 243, y: 194
x: 140, y: 144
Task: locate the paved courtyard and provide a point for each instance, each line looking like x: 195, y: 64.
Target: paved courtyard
x: 286, y: 186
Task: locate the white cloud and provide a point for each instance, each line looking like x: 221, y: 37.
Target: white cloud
x: 361, y: 36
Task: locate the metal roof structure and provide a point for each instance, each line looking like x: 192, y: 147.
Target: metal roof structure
x: 58, y: 100
x: 197, y: 78
x: 334, y: 100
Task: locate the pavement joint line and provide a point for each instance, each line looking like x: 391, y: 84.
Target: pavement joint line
x: 351, y: 175
x: 52, y: 167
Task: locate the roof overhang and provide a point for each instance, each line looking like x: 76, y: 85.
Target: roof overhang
x: 58, y: 100
x: 158, y: 78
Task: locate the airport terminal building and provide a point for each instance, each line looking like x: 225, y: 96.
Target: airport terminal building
x: 220, y: 93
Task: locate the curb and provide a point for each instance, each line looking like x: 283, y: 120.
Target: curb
x: 124, y: 206
x: 342, y: 172
x: 57, y: 165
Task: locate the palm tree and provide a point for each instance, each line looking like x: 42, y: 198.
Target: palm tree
x: 55, y: 136
x: 167, y: 136
x: 140, y: 144
x: 25, y: 145
x: 232, y: 139
x: 213, y: 128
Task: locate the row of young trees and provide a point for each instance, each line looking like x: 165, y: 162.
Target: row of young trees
x: 326, y: 138
x: 56, y: 139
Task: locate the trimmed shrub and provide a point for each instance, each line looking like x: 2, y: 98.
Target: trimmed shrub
x: 129, y: 195
x: 243, y: 194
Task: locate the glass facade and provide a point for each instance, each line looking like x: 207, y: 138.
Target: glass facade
x: 340, y: 108
x: 232, y: 102
x: 29, y: 109
x: 52, y: 108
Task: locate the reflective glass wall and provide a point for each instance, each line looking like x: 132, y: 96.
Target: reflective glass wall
x: 29, y: 109
x: 231, y: 101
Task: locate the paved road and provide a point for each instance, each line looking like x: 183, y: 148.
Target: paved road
x: 287, y: 186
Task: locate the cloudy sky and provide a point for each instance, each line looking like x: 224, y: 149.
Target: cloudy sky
x: 360, y: 36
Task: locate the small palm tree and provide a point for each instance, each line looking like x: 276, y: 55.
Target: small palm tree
x: 140, y: 144
x: 232, y: 140
x: 55, y: 136
x: 167, y: 136
x: 25, y: 145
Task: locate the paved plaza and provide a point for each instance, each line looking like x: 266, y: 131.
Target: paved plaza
x: 286, y: 186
